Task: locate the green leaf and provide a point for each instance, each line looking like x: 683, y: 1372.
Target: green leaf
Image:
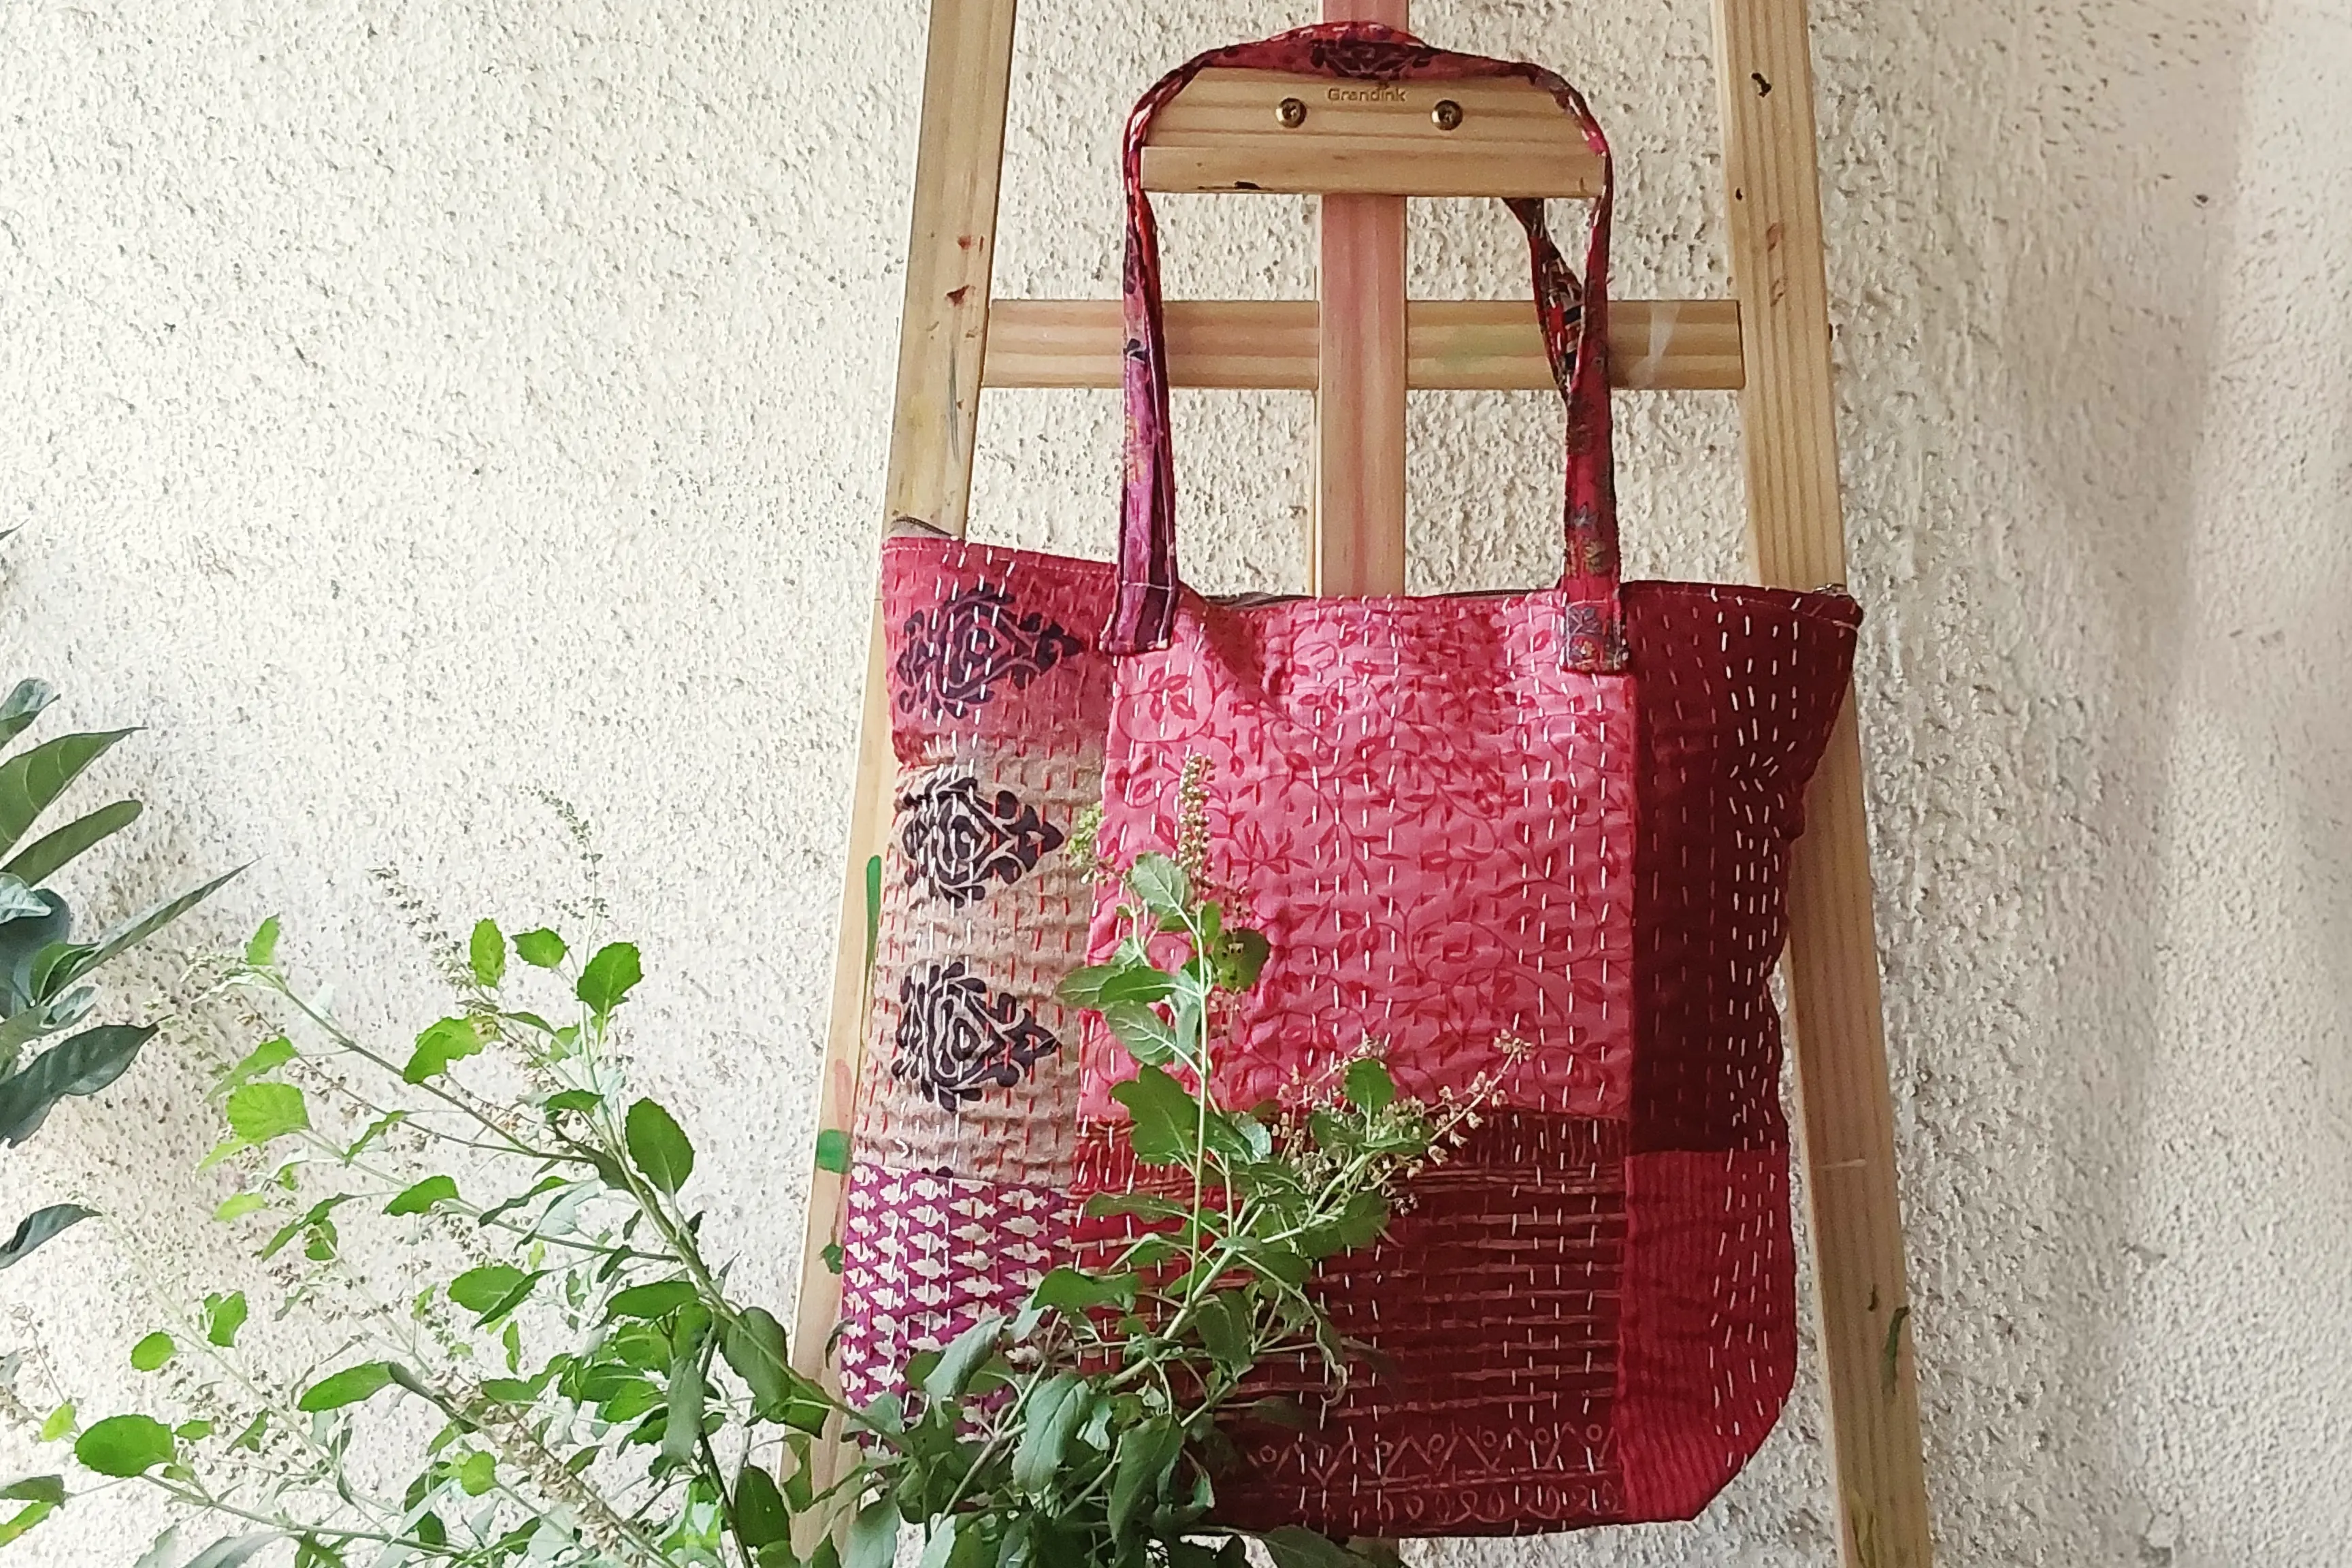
x: 754, y: 1344
x: 688, y: 1395
x: 153, y: 1352
x: 20, y: 1523
x: 313, y: 1220
x: 1070, y: 1291
x: 1293, y: 1546
x: 348, y: 1386
x: 263, y: 948
x: 193, y: 1431
x: 20, y: 903
x: 1160, y: 885
x: 1242, y: 958
x: 1163, y: 1118
x: 38, y: 1226
x: 258, y: 1112
x: 580, y: 1100
x: 760, y: 1516
x: 233, y: 1551
x: 44, y: 856
x: 266, y: 1058
x: 488, y: 954
x: 35, y: 1489
x: 833, y: 1151
x: 79, y: 960
x: 421, y: 1197
x: 1052, y: 1416
x: 59, y: 1423
x: 1147, y: 1455
x: 834, y: 1258
x: 82, y: 1065
x: 1146, y: 1035
x: 873, y: 1536
x: 1360, y: 1224
x: 238, y: 1206
x: 657, y: 1300
x: 125, y: 1445
x: 481, y: 1289
x: 963, y: 1357
x: 541, y: 949
x: 479, y: 1473
x: 1367, y: 1086
x: 1225, y: 1320
x: 31, y: 780
x: 24, y: 704
x: 658, y: 1145
x: 608, y: 978
x: 443, y: 1043
x: 223, y: 1316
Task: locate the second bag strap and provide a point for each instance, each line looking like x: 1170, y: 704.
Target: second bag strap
x: 1574, y: 320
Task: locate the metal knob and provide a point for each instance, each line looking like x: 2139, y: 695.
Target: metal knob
x: 1291, y: 112
x: 1448, y: 114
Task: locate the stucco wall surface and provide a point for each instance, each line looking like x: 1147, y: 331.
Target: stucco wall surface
x: 413, y: 405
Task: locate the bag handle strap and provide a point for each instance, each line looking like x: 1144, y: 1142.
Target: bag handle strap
x: 1573, y: 316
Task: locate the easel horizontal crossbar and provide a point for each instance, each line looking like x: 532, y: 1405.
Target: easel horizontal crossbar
x: 1269, y: 131
x: 1451, y: 345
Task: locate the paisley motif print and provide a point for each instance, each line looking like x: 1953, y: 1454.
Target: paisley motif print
x: 956, y: 654
x: 956, y: 1039
x: 958, y: 841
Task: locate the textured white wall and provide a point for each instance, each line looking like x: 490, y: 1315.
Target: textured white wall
x: 411, y: 403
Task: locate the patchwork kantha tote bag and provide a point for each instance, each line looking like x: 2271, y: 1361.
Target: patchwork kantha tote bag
x: 1534, y: 841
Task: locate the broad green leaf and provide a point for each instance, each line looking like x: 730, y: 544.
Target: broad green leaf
x: 348, y: 1386
x: 80, y: 961
x: 124, y: 1446
x: 963, y: 1357
x: 1367, y: 1086
x: 32, y: 779
x: 45, y: 855
x: 59, y: 1423
x: 541, y: 949
x: 420, y: 1197
x: 19, y: 901
x: 939, y: 1541
x: 1160, y: 885
x: 193, y: 1431
x: 153, y: 1352
x: 38, y: 1226
x: 1225, y: 1321
x: 657, y: 1300
x: 1163, y: 1119
x: 1146, y: 1035
x: 313, y: 1221
x: 608, y: 978
x: 479, y: 1473
x: 754, y: 1346
x: 1147, y: 1455
x: 658, y: 1145
x: 833, y: 1151
x: 24, y: 704
x: 760, y: 1516
x: 1076, y: 1293
x: 481, y: 1289
x: 487, y: 952
x: 873, y: 1539
x: 233, y: 1551
x: 442, y: 1043
x: 1360, y: 1224
x: 1293, y: 1546
x: 258, y: 1112
x: 266, y: 1058
x: 238, y: 1206
x: 34, y: 1488
x: 1052, y: 1416
x: 223, y: 1316
x: 82, y: 1065
x: 688, y: 1396
x: 1242, y: 959
x: 263, y: 948
x: 580, y: 1100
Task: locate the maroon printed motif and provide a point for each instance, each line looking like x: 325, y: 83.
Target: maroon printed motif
x: 956, y: 656
x: 957, y: 1038
x: 957, y: 843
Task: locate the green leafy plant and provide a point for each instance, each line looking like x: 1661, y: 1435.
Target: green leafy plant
x: 43, y: 969
x: 524, y: 1267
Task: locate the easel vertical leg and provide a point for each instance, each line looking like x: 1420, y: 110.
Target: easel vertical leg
x: 1359, y: 545
x: 1798, y: 535
x: 942, y: 336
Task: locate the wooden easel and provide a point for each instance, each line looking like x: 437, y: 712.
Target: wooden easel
x: 1360, y: 348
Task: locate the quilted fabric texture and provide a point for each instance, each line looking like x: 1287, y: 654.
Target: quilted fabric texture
x: 1529, y: 844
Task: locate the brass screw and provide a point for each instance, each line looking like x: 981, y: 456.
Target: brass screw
x: 1291, y: 112
x: 1448, y: 114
